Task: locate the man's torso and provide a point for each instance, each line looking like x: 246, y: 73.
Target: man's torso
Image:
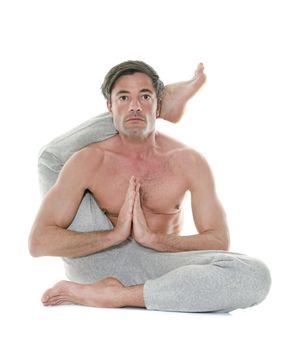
x: 162, y: 175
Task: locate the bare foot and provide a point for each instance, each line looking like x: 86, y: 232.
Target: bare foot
x: 177, y: 95
x: 104, y: 293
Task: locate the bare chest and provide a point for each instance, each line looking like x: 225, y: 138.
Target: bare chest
x: 162, y: 190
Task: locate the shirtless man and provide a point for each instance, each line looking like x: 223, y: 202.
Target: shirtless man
x: 139, y: 178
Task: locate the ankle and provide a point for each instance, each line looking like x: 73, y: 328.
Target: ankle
x: 133, y: 296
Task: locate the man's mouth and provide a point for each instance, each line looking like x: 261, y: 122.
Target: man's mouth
x: 133, y: 119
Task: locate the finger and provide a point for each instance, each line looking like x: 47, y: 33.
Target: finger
x: 138, y: 186
x: 131, y: 187
x: 137, y: 202
x: 131, y: 181
x: 137, y: 191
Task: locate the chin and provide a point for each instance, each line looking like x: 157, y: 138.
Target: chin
x: 135, y: 134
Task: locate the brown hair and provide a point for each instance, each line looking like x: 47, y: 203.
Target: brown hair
x: 127, y: 68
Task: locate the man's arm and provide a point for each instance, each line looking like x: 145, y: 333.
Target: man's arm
x: 49, y: 234
x: 208, y: 215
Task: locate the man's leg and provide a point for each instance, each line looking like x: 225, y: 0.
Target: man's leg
x: 53, y: 156
x: 215, y: 282
x: 178, y: 94
x: 228, y: 282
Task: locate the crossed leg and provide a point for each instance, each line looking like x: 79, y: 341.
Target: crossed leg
x: 208, y: 281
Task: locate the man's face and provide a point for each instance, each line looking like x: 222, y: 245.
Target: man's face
x: 134, y: 105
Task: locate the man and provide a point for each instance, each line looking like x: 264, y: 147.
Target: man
x: 139, y: 178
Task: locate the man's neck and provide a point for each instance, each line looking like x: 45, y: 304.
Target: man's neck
x: 138, y: 147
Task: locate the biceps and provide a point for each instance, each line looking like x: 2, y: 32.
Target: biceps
x: 208, y: 213
x: 207, y: 210
x: 59, y: 207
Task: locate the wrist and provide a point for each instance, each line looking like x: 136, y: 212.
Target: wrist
x: 159, y: 242
x: 116, y: 236
x: 148, y: 240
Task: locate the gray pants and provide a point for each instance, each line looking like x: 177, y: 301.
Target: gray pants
x: 196, y: 281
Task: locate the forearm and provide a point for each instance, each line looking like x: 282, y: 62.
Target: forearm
x: 56, y: 241
x: 173, y: 243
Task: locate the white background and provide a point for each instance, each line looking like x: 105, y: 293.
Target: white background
x: 54, y: 55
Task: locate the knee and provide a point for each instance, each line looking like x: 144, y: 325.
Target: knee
x: 258, y: 281
x: 251, y: 278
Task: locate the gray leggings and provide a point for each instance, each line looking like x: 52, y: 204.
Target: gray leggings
x: 196, y: 281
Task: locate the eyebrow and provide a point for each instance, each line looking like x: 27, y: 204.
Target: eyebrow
x: 128, y: 92
x: 147, y: 90
x: 122, y: 92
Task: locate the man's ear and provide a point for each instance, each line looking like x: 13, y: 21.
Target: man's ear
x: 158, y: 111
x: 109, y: 107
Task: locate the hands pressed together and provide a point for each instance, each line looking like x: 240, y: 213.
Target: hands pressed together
x: 131, y: 220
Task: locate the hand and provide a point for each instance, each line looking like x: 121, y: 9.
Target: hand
x: 124, y: 220
x: 141, y: 232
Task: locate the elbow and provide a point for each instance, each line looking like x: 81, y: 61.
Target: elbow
x: 225, y: 242
x: 34, y: 248
x: 224, y: 246
x: 34, y: 244
x: 220, y: 240
x: 220, y: 245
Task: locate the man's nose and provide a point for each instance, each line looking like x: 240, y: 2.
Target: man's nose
x: 135, y: 105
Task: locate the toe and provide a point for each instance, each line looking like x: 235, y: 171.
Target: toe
x: 47, y: 294
x: 45, y: 298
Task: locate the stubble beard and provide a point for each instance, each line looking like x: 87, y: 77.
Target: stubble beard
x: 135, y: 133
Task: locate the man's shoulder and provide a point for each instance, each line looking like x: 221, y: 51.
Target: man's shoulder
x: 187, y: 161
x: 180, y: 150
x: 96, y: 150
x: 92, y: 155
x: 87, y: 157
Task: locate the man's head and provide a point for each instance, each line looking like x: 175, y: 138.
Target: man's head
x: 133, y: 91
x: 128, y: 68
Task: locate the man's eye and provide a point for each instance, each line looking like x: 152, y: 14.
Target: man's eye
x: 146, y: 97
x: 123, y: 98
